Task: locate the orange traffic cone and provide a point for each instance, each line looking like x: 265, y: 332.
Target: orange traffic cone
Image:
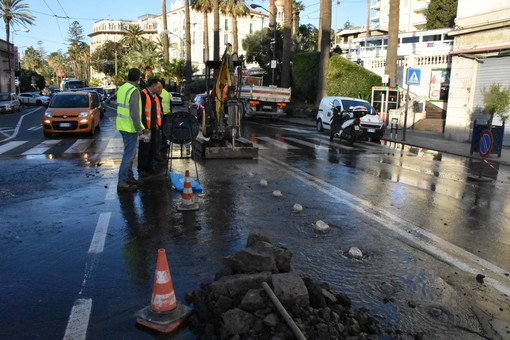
x: 165, y: 313
x: 188, y: 202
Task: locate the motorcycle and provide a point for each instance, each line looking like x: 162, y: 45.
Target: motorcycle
x: 345, y: 124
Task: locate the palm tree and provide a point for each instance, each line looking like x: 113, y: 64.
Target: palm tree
x: 287, y: 43
x: 143, y: 57
x: 216, y: 29
x: 133, y: 36
x: 236, y: 8
x: 324, y: 42
x: 165, y: 29
x: 391, y: 54
x: 204, y: 6
x: 14, y: 12
x: 187, y: 40
x: 297, y: 7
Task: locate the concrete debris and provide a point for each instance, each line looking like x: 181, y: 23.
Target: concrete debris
x: 263, y: 183
x: 321, y: 226
x: 277, y: 193
x: 355, y: 252
x: 251, y: 174
x: 235, y: 306
x: 297, y: 208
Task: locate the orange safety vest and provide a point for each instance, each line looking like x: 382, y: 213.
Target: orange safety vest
x: 148, y: 109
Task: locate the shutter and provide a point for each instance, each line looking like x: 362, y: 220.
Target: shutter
x: 493, y: 70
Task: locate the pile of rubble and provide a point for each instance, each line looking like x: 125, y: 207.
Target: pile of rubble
x: 237, y: 306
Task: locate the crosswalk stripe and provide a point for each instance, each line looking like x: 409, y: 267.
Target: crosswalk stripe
x: 41, y: 148
x: 11, y: 145
x: 79, y: 146
x: 114, y: 145
x: 305, y: 143
x: 338, y: 145
x: 277, y: 143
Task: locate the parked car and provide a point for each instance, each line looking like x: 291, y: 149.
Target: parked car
x: 71, y: 112
x: 176, y: 98
x: 371, y: 124
x: 197, y: 107
x: 9, y: 102
x: 33, y: 98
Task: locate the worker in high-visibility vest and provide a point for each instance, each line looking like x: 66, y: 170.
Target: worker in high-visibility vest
x: 166, y: 102
x: 148, y: 150
x: 129, y: 124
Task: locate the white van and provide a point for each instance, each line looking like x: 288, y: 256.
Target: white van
x: 371, y: 124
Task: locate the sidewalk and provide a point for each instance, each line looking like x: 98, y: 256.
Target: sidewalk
x: 427, y: 140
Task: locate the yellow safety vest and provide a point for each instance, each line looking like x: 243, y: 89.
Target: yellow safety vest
x: 123, y: 121
x: 166, y: 102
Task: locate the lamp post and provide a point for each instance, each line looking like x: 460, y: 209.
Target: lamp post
x: 271, y: 24
x: 9, y: 57
x: 182, y: 41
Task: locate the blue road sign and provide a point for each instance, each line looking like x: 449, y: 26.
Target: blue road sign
x: 413, y: 76
x: 485, y: 143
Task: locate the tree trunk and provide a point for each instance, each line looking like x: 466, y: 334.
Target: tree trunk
x: 392, y: 53
x: 8, y: 36
x: 216, y: 29
x: 325, y: 40
x: 368, y: 19
x: 165, y: 29
x: 235, y: 44
x: 188, y: 46
x: 295, y: 22
x: 287, y: 43
x: 206, y: 36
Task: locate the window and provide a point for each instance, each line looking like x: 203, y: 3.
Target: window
x: 410, y: 40
x: 225, y: 38
x: 226, y: 24
x: 251, y: 28
x: 435, y: 37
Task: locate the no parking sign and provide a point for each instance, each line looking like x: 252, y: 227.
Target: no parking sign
x: 485, y: 143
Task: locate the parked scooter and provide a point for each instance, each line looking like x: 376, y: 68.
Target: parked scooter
x: 345, y: 124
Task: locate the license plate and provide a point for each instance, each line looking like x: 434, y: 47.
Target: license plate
x: 370, y: 130
x: 265, y: 107
x: 356, y: 127
x: 65, y: 124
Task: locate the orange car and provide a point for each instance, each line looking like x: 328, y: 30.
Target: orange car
x: 72, y: 112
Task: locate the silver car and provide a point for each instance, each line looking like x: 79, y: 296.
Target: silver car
x: 9, y: 102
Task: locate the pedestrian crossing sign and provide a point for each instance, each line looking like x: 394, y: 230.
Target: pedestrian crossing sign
x: 413, y: 76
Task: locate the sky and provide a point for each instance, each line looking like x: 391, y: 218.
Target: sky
x: 53, y: 17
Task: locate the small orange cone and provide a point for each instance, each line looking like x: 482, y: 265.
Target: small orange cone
x: 188, y: 201
x: 165, y: 313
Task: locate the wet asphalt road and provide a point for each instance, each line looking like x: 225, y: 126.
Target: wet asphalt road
x: 425, y: 229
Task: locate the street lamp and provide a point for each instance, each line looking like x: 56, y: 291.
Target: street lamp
x: 182, y: 41
x: 271, y: 24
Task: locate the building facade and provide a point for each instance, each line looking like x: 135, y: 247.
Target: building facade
x: 412, y: 15
x: 481, y: 57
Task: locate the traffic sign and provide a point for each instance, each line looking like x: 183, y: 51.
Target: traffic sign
x: 413, y: 76
x: 485, y: 143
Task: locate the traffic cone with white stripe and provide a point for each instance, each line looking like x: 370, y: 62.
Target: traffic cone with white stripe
x: 165, y: 313
x: 188, y: 201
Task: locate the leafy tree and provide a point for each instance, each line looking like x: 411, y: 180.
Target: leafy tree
x: 441, y: 13
x: 103, y: 59
x: 175, y: 70
x: 14, y: 12
x: 78, y: 51
x: 32, y: 60
x: 145, y: 57
x: 26, y: 81
x: 496, y: 100
x: 259, y: 49
x: 307, y: 38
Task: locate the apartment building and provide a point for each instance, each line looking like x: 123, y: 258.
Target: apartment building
x: 412, y: 15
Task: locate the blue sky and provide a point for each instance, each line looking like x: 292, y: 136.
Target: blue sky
x: 53, y: 17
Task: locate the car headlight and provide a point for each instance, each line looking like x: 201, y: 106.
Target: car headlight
x: 48, y: 114
x: 83, y: 114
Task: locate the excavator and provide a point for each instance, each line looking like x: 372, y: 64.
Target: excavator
x: 221, y: 122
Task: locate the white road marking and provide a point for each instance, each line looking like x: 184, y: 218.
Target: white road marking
x: 79, y: 146
x: 11, y: 145
x: 428, y: 242
x: 41, y: 148
x: 277, y: 143
x: 114, y: 145
x: 305, y: 143
x: 111, y: 193
x: 35, y: 128
x: 16, y: 130
x: 78, y: 320
x: 97, y: 244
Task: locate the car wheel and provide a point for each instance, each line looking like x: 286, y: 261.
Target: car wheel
x: 320, y: 127
x: 38, y: 103
x: 92, y: 131
x: 47, y: 134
